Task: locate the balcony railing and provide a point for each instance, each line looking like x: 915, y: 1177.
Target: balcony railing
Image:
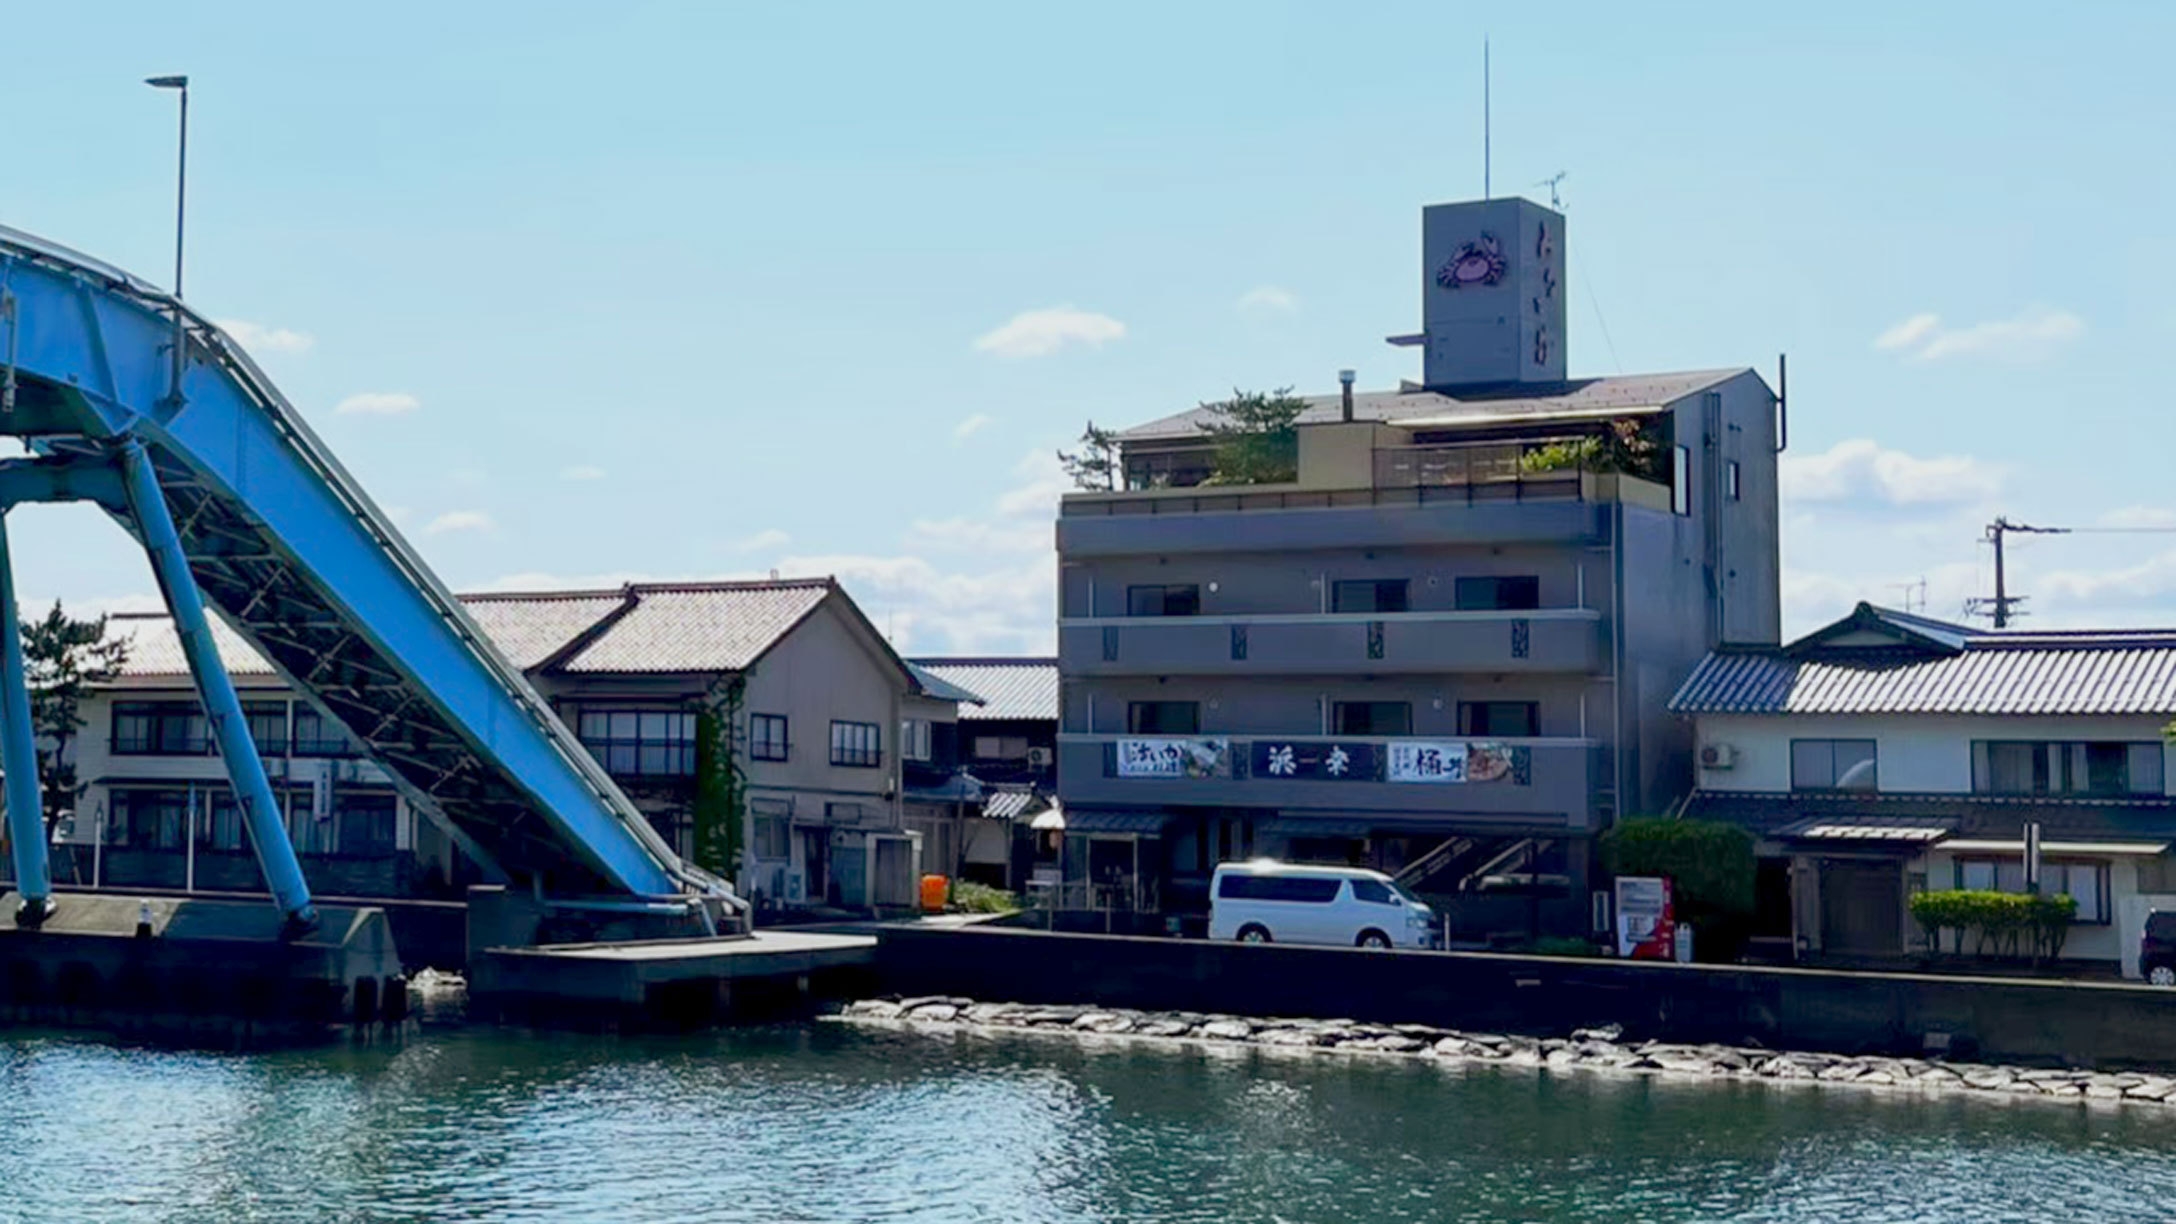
x: 1481, y: 472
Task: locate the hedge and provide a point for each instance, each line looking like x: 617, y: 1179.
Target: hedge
x: 2010, y: 924
x: 1709, y: 862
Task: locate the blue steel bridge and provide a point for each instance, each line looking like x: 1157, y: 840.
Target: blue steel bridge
x: 130, y: 400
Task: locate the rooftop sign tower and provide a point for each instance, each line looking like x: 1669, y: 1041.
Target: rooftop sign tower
x: 1492, y: 294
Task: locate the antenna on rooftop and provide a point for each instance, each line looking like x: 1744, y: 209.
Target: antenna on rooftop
x: 2005, y: 605
x: 1551, y: 182
x: 1486, y: 194
x: 1915, y: 594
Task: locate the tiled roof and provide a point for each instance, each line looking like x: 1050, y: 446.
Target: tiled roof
x: 693, y: 627
x: 528, y: 629
x: 154, y: 649
x: 698, y: 627
x: 1772, y: 814
x: 1010, y: 688
x: 1578, y: 397
x: 935, y: 686
x: 1876, y: 661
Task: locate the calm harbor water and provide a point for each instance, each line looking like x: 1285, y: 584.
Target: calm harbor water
x: 829, y: 1123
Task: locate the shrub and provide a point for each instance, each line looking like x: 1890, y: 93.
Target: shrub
x: 1558, y: 945
x: 2000, y: 923
x: 969, y: 897
x: 1709, y: 862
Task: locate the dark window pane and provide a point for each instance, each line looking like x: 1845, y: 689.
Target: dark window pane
x: 1499, y: 719
x: 1374, y: 718
x: 1374, y: 892
x: 1368, y: 595
x: 1486, y: 594
x: 1163, y: 718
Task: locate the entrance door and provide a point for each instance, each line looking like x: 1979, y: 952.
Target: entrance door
x: 1862, y: 907
x: 815, y: 862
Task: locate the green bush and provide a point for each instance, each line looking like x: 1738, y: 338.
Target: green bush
x: 1709, y: 862
x: 1558, y: 945
x: 969, y: 897
x: 2002, y: 924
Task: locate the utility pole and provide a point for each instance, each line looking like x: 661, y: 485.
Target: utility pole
x: 2002, y: 606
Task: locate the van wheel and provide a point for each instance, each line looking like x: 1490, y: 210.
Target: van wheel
x: 2162, y: 975
x: 1374, y: 939
x: 1253, y: 932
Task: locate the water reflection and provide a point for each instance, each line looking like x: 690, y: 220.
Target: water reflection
x: 827, y: 1123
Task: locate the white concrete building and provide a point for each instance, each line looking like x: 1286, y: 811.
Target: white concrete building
x: 1888, y: 754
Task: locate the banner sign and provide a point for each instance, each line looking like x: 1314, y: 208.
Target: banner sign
x: 1646, y: 924
x: 1457, y: 761
x: 1317, y: 760
x: 1174, y: 758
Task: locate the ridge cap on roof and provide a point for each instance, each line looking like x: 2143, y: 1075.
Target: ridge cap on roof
x: 704, y: 586
x: 545, y: 596
x: 984, y: 660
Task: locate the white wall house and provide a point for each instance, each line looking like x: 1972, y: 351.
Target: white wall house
x: 819, y: 735
x: 1888, y: 754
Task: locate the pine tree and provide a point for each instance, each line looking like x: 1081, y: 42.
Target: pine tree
x: 1095, y: 465
x: 63, y: 659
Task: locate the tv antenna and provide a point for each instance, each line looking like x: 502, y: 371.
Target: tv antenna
x: 1915, y: 595
x: 1551, y: 183
x: 1486, y: 193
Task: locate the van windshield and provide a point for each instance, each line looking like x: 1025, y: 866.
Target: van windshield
x: 1410, y: 897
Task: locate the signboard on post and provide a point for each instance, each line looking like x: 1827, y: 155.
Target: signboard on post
x: 1646, y: 925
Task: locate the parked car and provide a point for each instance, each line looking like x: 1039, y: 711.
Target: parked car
x: 2157, y: 948
x: 1265, y: 901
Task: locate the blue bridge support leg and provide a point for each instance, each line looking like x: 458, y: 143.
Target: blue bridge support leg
x: 222, y: 709
x: 19, y: 756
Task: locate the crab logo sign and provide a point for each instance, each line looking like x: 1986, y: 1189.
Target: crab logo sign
x: 1479, y: 262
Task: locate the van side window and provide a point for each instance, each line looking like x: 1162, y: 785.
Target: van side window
x: 1374, y: 892
x: 1314, y: 891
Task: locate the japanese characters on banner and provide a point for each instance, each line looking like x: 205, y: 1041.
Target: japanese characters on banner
x: 1450, y: 761
x: 1174, y: 758
x: 1317, y: 760
x: 1646, y: 924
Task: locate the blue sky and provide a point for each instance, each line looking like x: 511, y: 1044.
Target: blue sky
x: 696, y: 290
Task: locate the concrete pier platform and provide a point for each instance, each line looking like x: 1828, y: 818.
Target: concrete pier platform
x: 668, y: 982
x: 188, y: 967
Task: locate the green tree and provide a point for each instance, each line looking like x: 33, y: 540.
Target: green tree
x: 1257, y: 437
x: 63, y: 659
x: 1095, y: 465
x: 1627, y: 444
x: 1709, y: 864
x: 719, y: 810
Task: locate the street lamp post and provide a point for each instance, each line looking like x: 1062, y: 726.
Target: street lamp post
x: 181, y: 203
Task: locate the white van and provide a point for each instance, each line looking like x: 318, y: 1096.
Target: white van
x: 1265, y: 901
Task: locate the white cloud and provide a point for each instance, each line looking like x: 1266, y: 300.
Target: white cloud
x: 1039, y: 333
x: 581, y: 471
x: 761, y: 541
x: 459, y: 520
x: 1861, y: 470
x: 2032, y: 335
x: 1269, y: 299
x: 259, y: 338
x: 971, y: 426
x: 378, y: 403
x: 2139, y: 518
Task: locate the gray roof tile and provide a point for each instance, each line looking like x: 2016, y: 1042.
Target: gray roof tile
x: 699, y: 627
x: 1010, y: 688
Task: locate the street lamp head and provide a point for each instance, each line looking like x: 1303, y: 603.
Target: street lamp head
x: 167, y: 82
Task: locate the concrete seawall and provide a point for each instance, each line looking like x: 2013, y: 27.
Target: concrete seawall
x: 2011, y: 1020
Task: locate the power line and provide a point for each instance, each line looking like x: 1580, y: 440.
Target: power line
x: 2005, y: 605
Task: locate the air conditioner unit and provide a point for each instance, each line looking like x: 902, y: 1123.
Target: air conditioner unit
x: 1038, y: 756
x: 1717, y: 756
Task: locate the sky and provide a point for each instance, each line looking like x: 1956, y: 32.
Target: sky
x: 589, y: 293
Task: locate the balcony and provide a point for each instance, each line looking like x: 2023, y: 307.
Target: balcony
x: 1515, y: 783
x: 1364, y: 643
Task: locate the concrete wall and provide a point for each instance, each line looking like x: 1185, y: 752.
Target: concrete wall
x: 1914, y: 753
x: 1995, y: 1019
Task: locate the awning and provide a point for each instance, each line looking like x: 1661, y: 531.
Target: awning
x: 1008, y: 805
x: 1117, y: 823
x: 1972, y: 845
x: 1842, y: 829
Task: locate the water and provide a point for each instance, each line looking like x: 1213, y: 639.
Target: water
x: 827, y: 1123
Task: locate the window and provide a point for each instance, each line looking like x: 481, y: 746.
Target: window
x: 149, y: 820
x: 318, y: 736
x: 1368, y: 595
x: 767, y: 737
x: 1374, y: 892
x: 1507, y: 594
x: 1176, y: 469
x: 1844, y: 764
x: 159, y: 728
x: 1499, y: 719
x: 267, y: 726
x: 2015, y: 767
x: 1163, y: 718
x: 773, y: 832
x: 1681, y: 479
x: 1373, y: 718
x: 366, y: 825
x: 1163, y: 600
x: 2082, y: 880
x: 219, y: 822
x: 1731, y: 487
x: 641, y: 743
x: 857, y: 744
x: 914, y: 739
x: 1001, y: 747
x: 1312, y: 890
